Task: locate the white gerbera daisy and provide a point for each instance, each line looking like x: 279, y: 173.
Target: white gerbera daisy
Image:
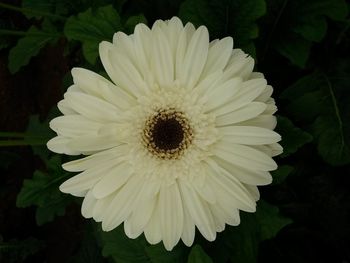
x: 179, y: 139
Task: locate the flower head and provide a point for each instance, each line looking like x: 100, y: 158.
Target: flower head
x: 179, y: 138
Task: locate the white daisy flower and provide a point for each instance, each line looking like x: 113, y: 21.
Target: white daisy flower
x: 179, y: 138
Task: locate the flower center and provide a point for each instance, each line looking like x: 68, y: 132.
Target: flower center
x: 167, y: 134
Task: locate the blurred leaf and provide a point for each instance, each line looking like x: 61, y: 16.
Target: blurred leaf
x: 59, y: 7
x: 133, y: 21
x: 281, y: 174
x: 29, y: 46
x: 223, y: 18
x: 198, y: 255
x: 123, y: 249
x: 325, y: 104
x: 158, y: 254
x: 7, y: 158
x: 41, y: 131
x: 42, y: 191
x: 292, y: 137
x: 15, y: 251
x: 92, y: 27
x: 241, y: 243
x: 89, y: 251
x: 291, y: 27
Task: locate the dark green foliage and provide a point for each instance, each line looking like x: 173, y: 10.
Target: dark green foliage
x: 302, y: 47
x: 291, y: 27
x: 30, y: 45
x: 198, y: 255
x: 14, y: 251
x: 223, y: 18
x: 42, y: 191
x: 321, y: 99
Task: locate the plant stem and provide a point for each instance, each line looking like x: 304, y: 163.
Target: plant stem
x: 23, y: 33
x: 21, y: 143
x: 32, y: 11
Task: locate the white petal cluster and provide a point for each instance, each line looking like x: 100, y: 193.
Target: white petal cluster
x: 179, y: 139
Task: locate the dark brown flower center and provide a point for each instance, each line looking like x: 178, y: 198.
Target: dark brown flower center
x: 167, y: 134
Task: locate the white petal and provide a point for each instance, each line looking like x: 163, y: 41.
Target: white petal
x: 204, y: 189
x: 101, y: 207
x: 93, y: 143
x: 263, y: 121
x: 88, y: 205
x: 112, y: 180
x: 96, y: 85
x: 162, y: 59
x: 245, y: 175
x: 265, y: 95
x: 143, y: 209
x: 244, y: 156
x: 254, y: 191
x: 199, y: 211
x: 223, y: 94
x: 87, y: 179
x: 189, y: 229
x: 239, y: 194
x: 171, y: 215
x: 218, y: 56
x: 59, y: 144
x: 121, y: 69
x: 122, y: 204
x: 92, y: 107
x: 194, y: 60
x: 153, y: 231
x: 74, y: 125
x: 239, y: 65
x: 65, y: 108
x: 94, y: 160
x: 247, y: 92
x: 247, y: 112
x: 248, y: 135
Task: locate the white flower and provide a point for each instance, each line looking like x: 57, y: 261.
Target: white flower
x: 180, y: 138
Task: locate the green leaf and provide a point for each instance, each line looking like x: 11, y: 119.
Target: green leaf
x: 92, y: 27
x: 241, y: 243
x: 291, y: 27
x: 123, y: 249
x: 292, y: 137
x: 60, y: 7
x: 40, y: 131
x: 198, y: 255
x: 325, y: 105
x: 42, y: 191
x: 235, y: 18
x: 158, y: 254
x: 133, y: 21
x: 281, y: 173
x: 14, y: 250
x: 29, y: 46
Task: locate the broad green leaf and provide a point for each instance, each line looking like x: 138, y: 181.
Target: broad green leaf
x: 325, y: 105
x: 197, y: 255
x: 291, y: 27
x: 14, y: 250
x: 281, y: 173
x: 29, y: 46
x: 40, y: 131
x: 292, y: 137
x: 223, y: 18
x: 60, y: 7
x: 123, y: 249
x: 243, y: 241
x: 158, y: 254
x: 42, y: 191
x: 133, y: 21
x: 92, y: 27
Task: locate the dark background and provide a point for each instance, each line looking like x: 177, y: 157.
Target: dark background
x: 314, y: 195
